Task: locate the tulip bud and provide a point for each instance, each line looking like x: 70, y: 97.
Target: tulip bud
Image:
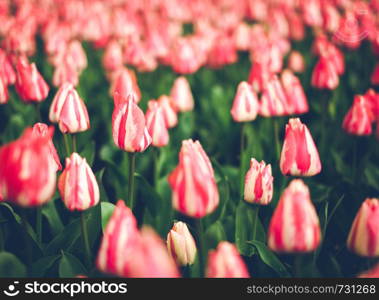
x: 325, y: 75
x: 170, y: 115
x: 119, y: 239
x: 181, y: 95
x: 41, y: 129
x: 30, y: 85
x: 299, y: 155
x: 128, y: 126
x: 181, y: 245
x: 296, y: 99
x: 112, y: 59
x: 372, y: 273
x: 150, y: 258
x: 359, y: 118
x: 375, y: 75
x: 245, y: 105
x: 294, y: 226
x: 77, y: 184
x: 194, y: 188
x: 7, y: 74
x: 156, y: 125
x: 364, y: 233
x: 296, y: 62
x: 27, y: 174
x: 259, y: 75
x: 123, y: 84
x: 273, y: 99
x: 69, y: 110
x: 3, y: 92
x: 258, y: 183
x: 77, y: 55
x: 65, y: 72
x: 226, y: 262
x: 183, y: 57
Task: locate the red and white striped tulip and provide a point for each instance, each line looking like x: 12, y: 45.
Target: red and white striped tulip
x: 258, y: 183
x: 273, y: 99
x: 259, y: 75
x: 226, y: 262
x: 181, y: 244
x: 41, y: 129
x: 113, y: 58
x: 296, y: 99
x: 77, y: 184
x: 124, y: 82
x: 7, y: 73
x: 4, y: 96
x: 245, y: 105
x: 299, y: 155
x: 128, y: 126
x: 156, y: 125
x: 325, y: 74
x: 181, y: 95
x: 170, y: 115
x: 150, y: 258
x: 69, y: 110
x: 30, y: 85
x: 294, y: 226
x: 296, y: 62
x: 119, y: 239
x: 363, y: 238
x: 27, y: 174
x: 359, y: 118
x: 194, y: 188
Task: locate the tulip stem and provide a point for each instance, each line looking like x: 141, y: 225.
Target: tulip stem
x: 297, y: 266
x: 39, y: 224
x: 67, y: 144
x: 242, y: 157
x: 200, y: 245
x: 255, y: 213
x: 2, y: 238
x: 38, y: 112
x: 85, y: 239
x: 74, y: 148
x: 28, y: 248
x: 185, y: 271
x: 277, y: 139
x: 132, y: 166
x: 355, y: 159
x: 156, y: 167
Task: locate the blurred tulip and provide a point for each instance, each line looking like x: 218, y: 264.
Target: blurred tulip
x: 194, y: 188
x: 273, y: 99
x: 170, y: 115
x: 325, y: 75
x: 4, y: 96
x: 181, y: 244
x: 296, y: 99
x: 258, y: 183
x: 359, y: 118
x: 150, y: 258
x: 128, y: 126
x: 242, y: 36
x: 294, y: 226
x: 299, y: 155
x: 375, y: 75
x: 30, y: 85
x: 118, y: 242
x: 372, y: 273
x: 41, y: 129
x: 77, y: 184
x: 27, y: 174
x: 65, y: 73
x: 363, y: 238
x: 296, y: 62
x: 69, y: 110
x: 245, y: 105
x: 7, y: 74
x: 226, y: 262
x: 156, y: 125
x: 259, y: 75
x: 222, y: 53
x: 113, y: 57
x: 183, y: 57
x: 125, y: 83
x: 181, y: 95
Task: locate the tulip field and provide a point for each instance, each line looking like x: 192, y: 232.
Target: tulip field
x: 189, y: 138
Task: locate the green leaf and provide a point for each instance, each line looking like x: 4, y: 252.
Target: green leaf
x: 371, y: 174
x: 11, y: 266
x: 41, y: 266
x: 269, y: 258
x: 106, y: 213
x: 50, y: 212
x: 89, y: 152
x: 148, y: 194
x: 70, y: 266
x: 214, y: 234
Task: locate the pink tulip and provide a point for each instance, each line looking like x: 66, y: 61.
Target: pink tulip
x: 273, y: 99
x: 359, y: 118
x: 181, y: 95
x: 296, y: 62
x: 325, y: 75
x: 156, y: 125
x: 170, y: 115
x: 245, y: 105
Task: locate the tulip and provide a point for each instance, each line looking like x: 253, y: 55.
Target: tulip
x: 297, y: 101
x: 120, y: 236
x: 69, y: 110
x: 128, y: 126
x: 245, y: 105
x: 156, y: 125
x: 259, y: 75
x: 325, y: 75
x: 226, y: 262
x: 299, y: 156
x: 65, y: 72
x: 7, y: 74
x: 273, y: 99
x: 258, y: 183
x: 150, y: 258
x: 181, y: 95
x: 4, y: 96
x: 27, y: 174
x: 41, y: 129
x: 170, y: 115
x: 30, y: 85
x: 296, y: 62
x: 372, y: 273
x: 222, y: 53
x: 181, y: 245
x: 194, y: 188
x: 363, y: 238
x: 359, y: 118
x: 183, y: 57
x: 77, y: 185
x: 112, y: 59
x: 125, y: 83
x: 375, y: 75
x: 294, y: 226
